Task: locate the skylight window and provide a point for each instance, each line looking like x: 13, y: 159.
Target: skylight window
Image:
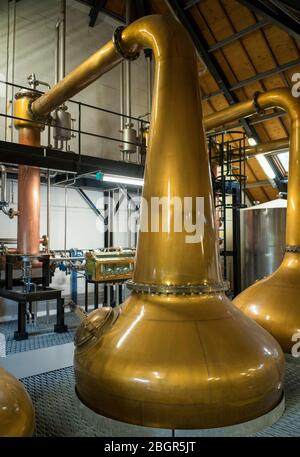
x: 283, y: 157
x: 266, y: 166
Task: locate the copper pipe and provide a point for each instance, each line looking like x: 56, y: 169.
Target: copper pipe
x: 232, y: 113
x: 89, y: 71
x: 29, y: 198
x: 137, y: 362
x: 274, y: 302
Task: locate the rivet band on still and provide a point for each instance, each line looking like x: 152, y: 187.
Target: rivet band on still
x: 292, y: 249
x: 174, y: 289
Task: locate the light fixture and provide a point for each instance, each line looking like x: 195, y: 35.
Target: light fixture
x: 252, y: 141
x: 265, y: 166
x: 123, y: 180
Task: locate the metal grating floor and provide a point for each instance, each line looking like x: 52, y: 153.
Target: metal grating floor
x: 40, y: 335
x: 55, y: 404
x: 57, y: 412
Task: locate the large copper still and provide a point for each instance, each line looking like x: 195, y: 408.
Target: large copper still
x: 177, y: 353
x: 16, y: 409
x: 274, y: 302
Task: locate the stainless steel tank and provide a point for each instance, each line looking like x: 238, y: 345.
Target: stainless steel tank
x: 262, y: 240
x: 63, y: 124
x: 130, y: 136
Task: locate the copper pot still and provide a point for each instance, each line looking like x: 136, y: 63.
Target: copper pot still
x: 274, y: 302
x: 16, y: 409
x: 177, y: 353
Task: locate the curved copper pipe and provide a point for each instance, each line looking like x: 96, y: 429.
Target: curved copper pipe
x: 165, y: 171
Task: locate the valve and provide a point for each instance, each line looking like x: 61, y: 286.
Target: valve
x: 44, y: 241
x: 93, y: 325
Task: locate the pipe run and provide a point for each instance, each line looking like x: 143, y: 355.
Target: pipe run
x: 278, y: 98
x: 3, y: 189
x: 4, y: 204
x: 60, y: 53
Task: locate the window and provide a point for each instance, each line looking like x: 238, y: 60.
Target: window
x: 283, y: 157
x: 265, y: 166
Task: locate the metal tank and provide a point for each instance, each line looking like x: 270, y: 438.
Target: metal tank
x: 262, y: 240
x: 62, y: 124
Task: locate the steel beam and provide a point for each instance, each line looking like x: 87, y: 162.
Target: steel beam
x: 253, y: 121
x: 265, y: 74
x: 190, y: 4
x: 258, y: 77
x: 142, y: 8
x: 95, y: 10
x: 293, y: 4
x: 252, y: 28
x: 43, y: 157
x: 267, y: 117
x: 109, y: 13
x: 188, y: 21
x: 89, y: 202
x: 277, y: 13
x: 253, y: 185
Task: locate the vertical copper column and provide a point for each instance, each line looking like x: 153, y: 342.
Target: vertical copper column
x: 29, y: 177
x: 29, y: 198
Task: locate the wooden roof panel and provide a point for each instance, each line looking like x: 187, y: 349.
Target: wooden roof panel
x: 283, y: 46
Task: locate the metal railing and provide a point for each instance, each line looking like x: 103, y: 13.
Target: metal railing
x: 141, y: 123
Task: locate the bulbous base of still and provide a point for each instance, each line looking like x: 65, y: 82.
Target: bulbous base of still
x: 274, y: 302
x: 177, y: 361
x: 16, y: 409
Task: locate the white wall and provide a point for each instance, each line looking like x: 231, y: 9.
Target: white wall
x: 35, y: 52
